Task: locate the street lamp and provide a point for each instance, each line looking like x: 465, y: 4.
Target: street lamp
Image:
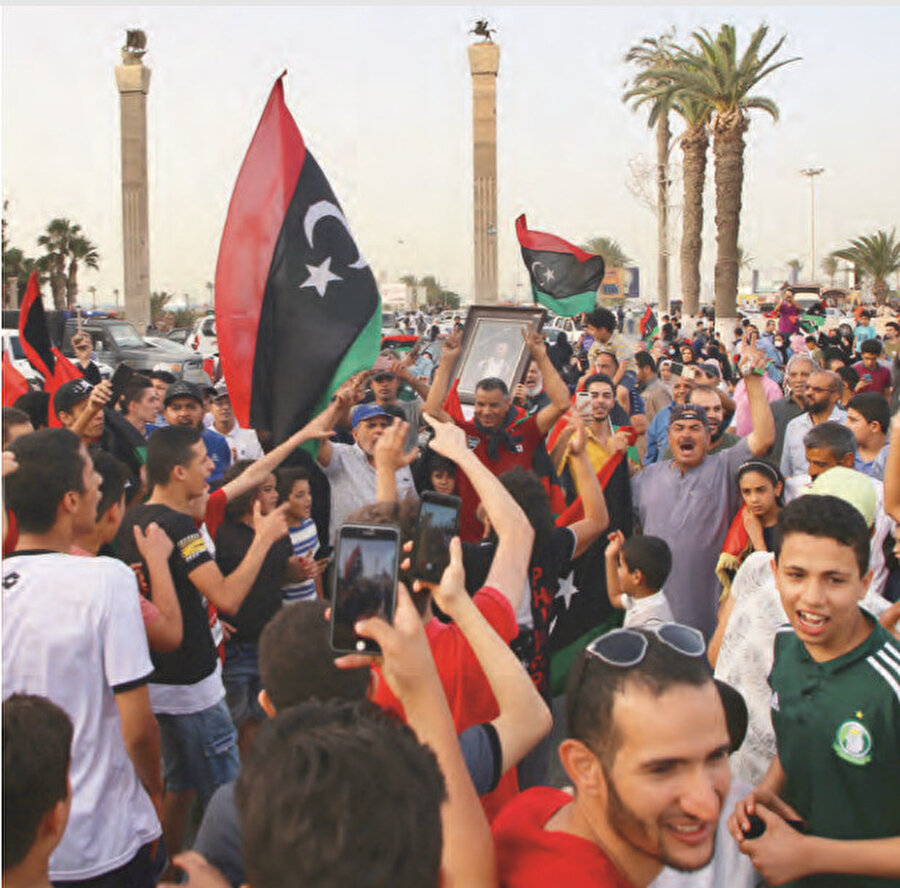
x: 811, y: 173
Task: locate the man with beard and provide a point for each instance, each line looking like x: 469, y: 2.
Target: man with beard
x: 690, y: 500
x: 799, y: 369
x: 499, y: 434
x: 708, y: 398
x: 823, y: 393
x: 647, y: 755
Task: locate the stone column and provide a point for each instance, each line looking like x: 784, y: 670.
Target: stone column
x: 133, y: 81
x: 484, y: 61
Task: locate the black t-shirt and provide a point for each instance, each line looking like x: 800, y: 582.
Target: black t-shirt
x: 195, y: 658
x: 233, y: 539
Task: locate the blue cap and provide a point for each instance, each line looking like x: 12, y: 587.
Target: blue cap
x: 367, y: 411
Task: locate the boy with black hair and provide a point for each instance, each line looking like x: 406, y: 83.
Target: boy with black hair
x: 72, y: 631
x: 873, y: 376
x: 636, y: 570
x: 835, y: 710
x: 187, y: 694
x: 869, y: 418
x: 294, y: 491
x: 15, y: 423
x: 601, y: 325
x: 37, y: 741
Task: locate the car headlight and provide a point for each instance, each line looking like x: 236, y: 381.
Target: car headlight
x: 176, y: 368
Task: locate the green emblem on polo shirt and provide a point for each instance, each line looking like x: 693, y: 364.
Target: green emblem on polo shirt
x: 853, y: 743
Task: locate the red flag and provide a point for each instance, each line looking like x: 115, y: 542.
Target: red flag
x: 64, y: 371
x: 452, y: 404
x: 33, y: 333
x: 14, y: 384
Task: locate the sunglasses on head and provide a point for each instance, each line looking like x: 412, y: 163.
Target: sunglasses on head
x: 625, y: 648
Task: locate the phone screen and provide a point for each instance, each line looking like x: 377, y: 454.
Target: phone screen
x: 120, y: 379
x: 365, y: 582
x: 438, y: 524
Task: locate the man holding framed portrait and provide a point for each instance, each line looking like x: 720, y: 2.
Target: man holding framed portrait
x: 501, y: 435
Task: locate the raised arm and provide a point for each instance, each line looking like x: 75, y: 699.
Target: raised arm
x: 440, y: 385
x: 596, y: 516
x: 467, y: 857
x: 613, y: 548
x: 762, y: 436
x: 401, y: 370
x: 100, y: 396
x: 515, y: 535
x: 166, y: 631
x: 524, y: 718
x: 390, y: 456
x: 554, y: 387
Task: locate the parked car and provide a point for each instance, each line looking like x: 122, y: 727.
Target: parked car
x: 13, y: 348
x: 203, y: 337
x: 116, y: 341
x: 180, y: 335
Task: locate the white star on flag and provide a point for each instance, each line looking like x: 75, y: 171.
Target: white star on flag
x: 320, y: 276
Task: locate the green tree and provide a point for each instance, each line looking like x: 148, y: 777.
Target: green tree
x: 65, y: 245
x: 654, y: 54
x: 158, y: 302
x: 796, y: 266
x: 876, y: 256
x: 715, y: 75
x: 613, y: 254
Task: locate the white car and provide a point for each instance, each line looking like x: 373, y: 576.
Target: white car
x: 203, y: 337
x: 13, y: 348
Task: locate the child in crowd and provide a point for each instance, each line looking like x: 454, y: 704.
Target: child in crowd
x: 294, y: 490
x: 835, y: 711
x: 869, y: 418
x: 636, y: 570
x: 442, y: 474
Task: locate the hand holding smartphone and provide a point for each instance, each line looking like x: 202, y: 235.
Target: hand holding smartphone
x: 365, y: 583
x: 438, y: 524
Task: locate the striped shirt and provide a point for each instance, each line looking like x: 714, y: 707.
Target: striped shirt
x: 305, y: 541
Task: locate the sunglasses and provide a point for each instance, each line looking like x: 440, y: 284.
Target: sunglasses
x: 625, y: 648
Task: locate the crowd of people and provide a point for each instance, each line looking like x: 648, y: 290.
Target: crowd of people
x: 664, y: 650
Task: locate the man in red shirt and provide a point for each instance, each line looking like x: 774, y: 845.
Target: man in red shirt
x: 647, y: 754
x: 501, y: 435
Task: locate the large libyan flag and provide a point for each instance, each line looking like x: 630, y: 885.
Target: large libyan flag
x: 297, y: 307
x: 564, y: 278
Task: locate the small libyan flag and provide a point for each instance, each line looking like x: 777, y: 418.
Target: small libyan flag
x: 564, y: 278
x: 649, y: 325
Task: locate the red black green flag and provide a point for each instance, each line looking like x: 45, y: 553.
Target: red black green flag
x: 564, y: 278
x: 297, y: 307
x: 649, y: 325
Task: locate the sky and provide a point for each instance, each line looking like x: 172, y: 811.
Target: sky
x: 382, y: 95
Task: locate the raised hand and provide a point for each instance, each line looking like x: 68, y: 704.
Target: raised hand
x: 449, y: 439
x: 390, y: 449
x: 534, y: 342
x: 153, y: 542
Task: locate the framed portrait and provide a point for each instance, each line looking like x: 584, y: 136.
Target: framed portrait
x: 492, y: 345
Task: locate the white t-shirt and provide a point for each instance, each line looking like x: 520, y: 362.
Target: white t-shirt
x: 652, y: 610
x: 72, y: 632
x: 243, y: 443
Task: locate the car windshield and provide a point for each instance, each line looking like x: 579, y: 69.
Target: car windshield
x: 125, y: 336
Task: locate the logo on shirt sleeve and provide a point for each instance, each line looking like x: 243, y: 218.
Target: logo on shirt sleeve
x: 191, y: 547
x: 853, y: 743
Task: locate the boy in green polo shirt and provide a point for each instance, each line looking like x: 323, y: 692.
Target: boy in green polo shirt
x: 836, y: 713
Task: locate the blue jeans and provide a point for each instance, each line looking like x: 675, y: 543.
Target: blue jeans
x: 242, y: 684
x: 199, y: 750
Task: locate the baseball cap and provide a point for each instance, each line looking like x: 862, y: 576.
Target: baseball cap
x: 182, y: 389
x: 681, y: 412
x: 367, y: 411
x: 220, y: 391
x: 849, y: 485
x: 71, y: 393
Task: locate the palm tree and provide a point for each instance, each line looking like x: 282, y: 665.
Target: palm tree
x: 655, y: 54
x: 613, y: 255
x: 830, y: 267
x: 57, y: 242
x: 715, y: 76
x: 93, y: 291
x: 876, y: 256
x: 211, y: 288
x: 795, y: 265
x: 80, y: 250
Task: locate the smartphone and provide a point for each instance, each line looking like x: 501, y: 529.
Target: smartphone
x: 582, y: 401
x: 119, y: 380
x: 678, y: 369
x: 438, y: 524
x: 365, y: 582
